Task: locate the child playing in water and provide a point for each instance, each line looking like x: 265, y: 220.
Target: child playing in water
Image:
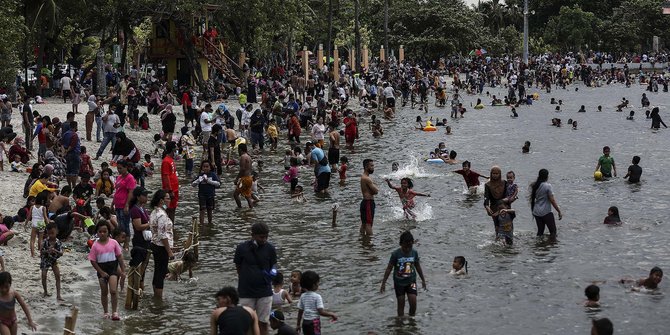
x: 119, y: 235
x: 207, y: 183
x: 606, y: 163
x: 505, y: 219
x: 407, y: 194
x: 592, y: 293
x: 650, y: 283
x: 279, y: 294
x: 159, y: 144
x: 8, y: 299
x: 50, y: 251
x: 106, y: 257
x: 295, y: 289
x: 342, y: 169
x: 287, y: 159
x: 310, y: 306
x: 291, y: 175
x: 526, y: 147
x: 634, y: 171
x: 405, y: 265
x: 471, y: 177
x: 256, y: 187
x: 612, y: 216
x: 273, y: 134
x: 298, y: 195
x: 177, y: 268
x: 459, y: 266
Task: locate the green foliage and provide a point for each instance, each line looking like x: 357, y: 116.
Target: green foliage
x: 10, y: 41
x: 573, y: 29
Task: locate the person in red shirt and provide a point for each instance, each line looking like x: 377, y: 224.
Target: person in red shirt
x: 294, y: 129
x: 471, y: 177
x: 187, y: 104
x: 350, y: 130
x: 169, y: 178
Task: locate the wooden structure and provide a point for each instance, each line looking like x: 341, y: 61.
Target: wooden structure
x: 336, y: 64
x: 166, y: 46
x: 319, y: 57
x: 382, y: 54
x: 401, y: 54
x: 71, y: 322
x: 365, y: 57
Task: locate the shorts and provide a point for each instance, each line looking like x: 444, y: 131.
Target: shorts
x: 109, y: 268
x: 262, y: 306
x: 245, y: 186
x: 206, y: 202
x: 322, y: 181
x: 311, y: 327
x: 333, y: 155
x: 73, y: 165
x: 367, y: 211
x: 390, y: 102
x: 174, y: 200
x: 401, y: 290
x: 204, y: 135
x: 5, y: 117
x: 257, y: 138
x: 39, y: 225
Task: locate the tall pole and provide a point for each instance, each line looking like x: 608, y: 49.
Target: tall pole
x: 525, y: 32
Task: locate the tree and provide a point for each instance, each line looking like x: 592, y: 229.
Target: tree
x: 573, y: 29
x: 13, y: 29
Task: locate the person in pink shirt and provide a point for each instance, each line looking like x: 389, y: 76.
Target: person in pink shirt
x: 107, y: 260
x: 123, y: 186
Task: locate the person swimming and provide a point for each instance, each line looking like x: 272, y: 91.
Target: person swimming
x: 612, y: 217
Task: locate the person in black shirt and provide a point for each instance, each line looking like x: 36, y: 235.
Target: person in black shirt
x: 82, y: 194
x: 229, y: 318
x: 277, y: 323
x: 214, y: 149
x: 634, y: 171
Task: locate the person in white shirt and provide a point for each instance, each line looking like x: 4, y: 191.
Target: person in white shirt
x: 65, y: 87
x: 205, y: 124
x: 389, y: 94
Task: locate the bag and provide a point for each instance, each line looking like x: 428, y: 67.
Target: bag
x: 324, y: 160
x: 147, y: 235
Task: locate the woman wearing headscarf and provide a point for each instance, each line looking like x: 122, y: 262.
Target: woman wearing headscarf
x: 494, y: 194
x: 58, y: 166
x: 125, y: 149
x: 168, y: 122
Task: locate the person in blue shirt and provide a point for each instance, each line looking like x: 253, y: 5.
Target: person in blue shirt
x: 321, y: 168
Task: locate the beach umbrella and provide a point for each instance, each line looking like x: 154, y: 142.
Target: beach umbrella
x: 483, y: 51
x: 330, y: 59
x: 478, y: 52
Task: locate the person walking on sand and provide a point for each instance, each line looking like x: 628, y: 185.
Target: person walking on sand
x: 244, y: 180
x: 369, y: 190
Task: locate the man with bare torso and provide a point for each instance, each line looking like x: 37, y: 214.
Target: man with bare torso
x: 244, y: 180
x: 334, y: 145
x: 369, y: 190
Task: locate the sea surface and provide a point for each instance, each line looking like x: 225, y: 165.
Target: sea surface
x: 534, y: 287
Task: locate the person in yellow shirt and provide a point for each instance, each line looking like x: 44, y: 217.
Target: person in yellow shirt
x: 273, y: 134
x: 41, y: 184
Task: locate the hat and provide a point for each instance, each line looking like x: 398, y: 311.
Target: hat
x: 309, y: 143
x: 140, y: 191
x: 277, y: 315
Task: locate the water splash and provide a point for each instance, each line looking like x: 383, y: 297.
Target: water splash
x: 410, y: 169
x: 423, y: 212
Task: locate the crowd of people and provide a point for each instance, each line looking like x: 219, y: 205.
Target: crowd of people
x: 64, y: 191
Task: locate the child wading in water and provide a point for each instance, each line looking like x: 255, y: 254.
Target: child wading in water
x: 207, y: 183
x: 459, y: 266
x: 650, y: 283
x: 310, y: 306
x: 51, y: 250
x: 8, y: 299
x: 106, y: 257
x: 279, y: 294
x: 405, y: 265
x: 407, y: 195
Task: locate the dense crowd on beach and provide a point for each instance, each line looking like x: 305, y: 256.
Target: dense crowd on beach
x: 83, y: 175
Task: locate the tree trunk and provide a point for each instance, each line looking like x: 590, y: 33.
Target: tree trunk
x: 330, y: 31
x: 357, y: 29
x: 124, y: 52
x: 386, y: 25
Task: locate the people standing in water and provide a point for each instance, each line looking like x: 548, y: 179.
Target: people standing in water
x: 244, y: 179
x: 405, y: 265
x: 471, y: 177
x: 541, y: 200
x: 656, y: 120
x: 369, y: 190
x: 494, y: 196
x: 606, y: 164
x: 634, y: 171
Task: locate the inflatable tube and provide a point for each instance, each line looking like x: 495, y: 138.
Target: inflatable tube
x: 434, y: 161
x: 431, y: 128
x: 480, y: 106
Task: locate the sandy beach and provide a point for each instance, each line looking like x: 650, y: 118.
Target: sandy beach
x: 76, y: 271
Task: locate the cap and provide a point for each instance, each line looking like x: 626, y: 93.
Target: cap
x: 277, y: 315
x: 140, y: 191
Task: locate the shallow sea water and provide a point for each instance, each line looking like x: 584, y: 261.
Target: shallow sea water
x: 531, y: 288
